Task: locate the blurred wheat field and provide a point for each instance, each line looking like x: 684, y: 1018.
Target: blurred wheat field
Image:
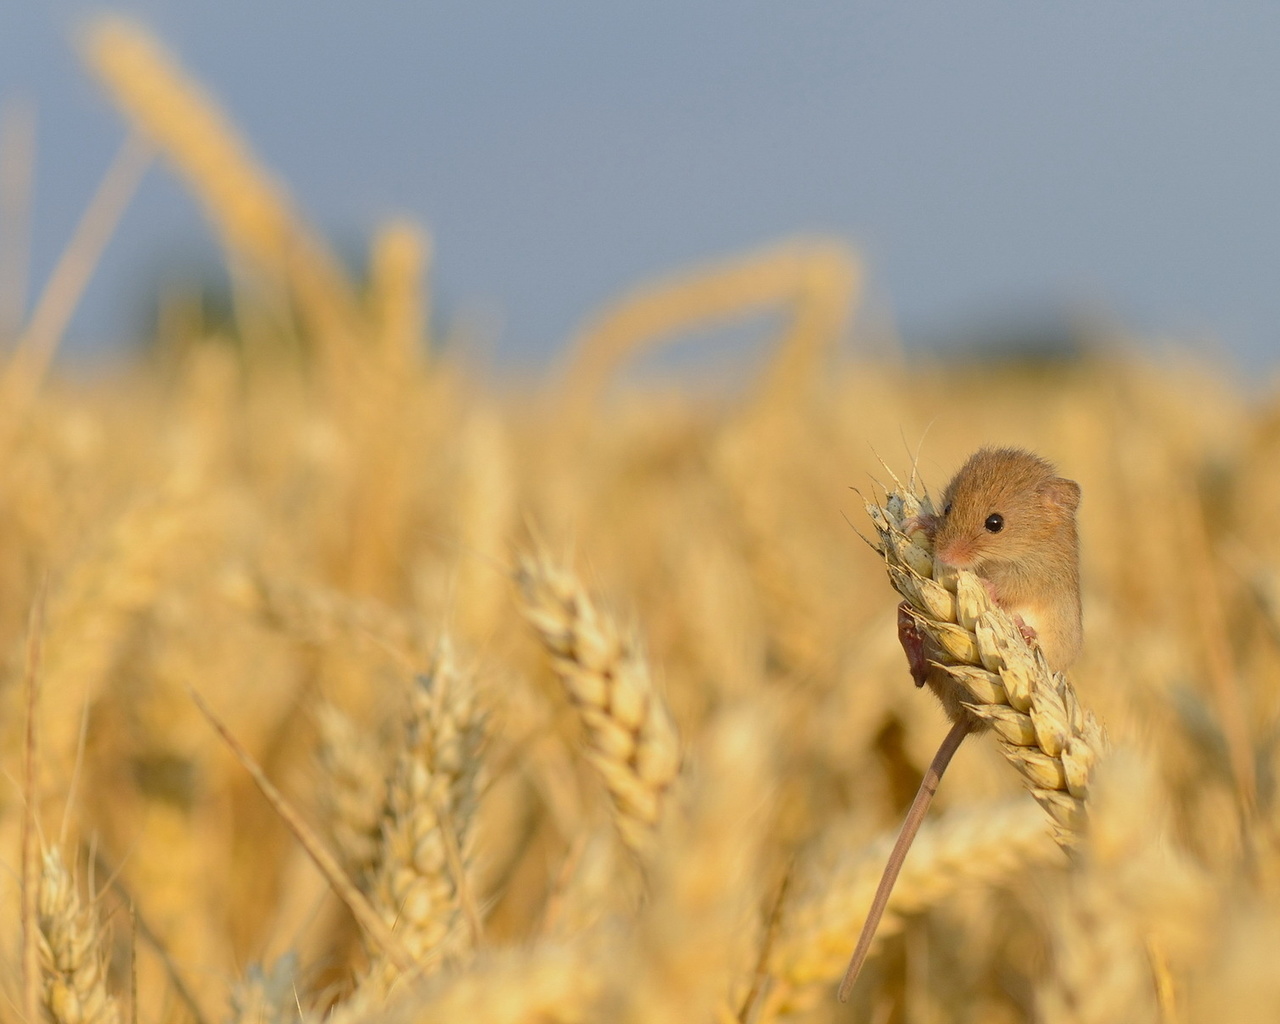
x: 589, y: 689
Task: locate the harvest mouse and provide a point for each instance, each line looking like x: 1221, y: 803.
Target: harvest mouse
x: 1010, y: 519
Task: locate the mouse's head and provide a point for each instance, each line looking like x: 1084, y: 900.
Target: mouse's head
x: 1005, y: 505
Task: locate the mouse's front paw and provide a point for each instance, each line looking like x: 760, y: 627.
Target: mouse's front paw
x: 921, y: 523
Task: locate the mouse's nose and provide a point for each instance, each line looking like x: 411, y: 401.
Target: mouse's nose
x: 958, y: 554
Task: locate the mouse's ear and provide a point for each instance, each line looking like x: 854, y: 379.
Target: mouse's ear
x: 1063, y: 493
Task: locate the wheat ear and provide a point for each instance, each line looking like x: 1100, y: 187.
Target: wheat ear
x: 353, y: 791
x: 1042, y: 730
x: 320, y: 615
x: 420, y: 886
x: 95, y: 604
x: 1130, y: 924
x: 72, y: 957
x: 630, y: 735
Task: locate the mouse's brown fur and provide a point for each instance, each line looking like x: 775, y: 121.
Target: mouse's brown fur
x: 1032, y: 562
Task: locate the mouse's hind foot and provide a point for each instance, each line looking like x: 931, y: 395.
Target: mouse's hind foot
x: 912, y: 641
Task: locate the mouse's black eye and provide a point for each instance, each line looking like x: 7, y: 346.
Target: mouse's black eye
x: 947, y: 509
x: 994, y: 523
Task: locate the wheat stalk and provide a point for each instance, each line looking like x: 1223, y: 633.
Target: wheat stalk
x: 250, y: 209
x: 816, y: 278
x: 398, y: 258
x: 965, y: 848
x: 370, y: 921
x: 1034, y: 713
x: 631, y: 738
x: 72, y: 953
x: 28, y: 366
x: 487, y: 502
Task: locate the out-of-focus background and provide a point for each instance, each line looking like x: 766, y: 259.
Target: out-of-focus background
x: 1013, y: 172
x: 576, y: 668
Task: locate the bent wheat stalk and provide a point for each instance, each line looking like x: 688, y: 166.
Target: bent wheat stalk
x: 244, y: 202
x: 981, y: 845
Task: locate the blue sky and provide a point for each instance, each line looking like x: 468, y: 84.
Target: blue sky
x: 991, y: 159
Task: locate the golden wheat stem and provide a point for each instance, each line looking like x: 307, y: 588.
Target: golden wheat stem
x: 31, y: 796
x: 980, y: 845
x: 1212, y: 619
x: 817, y: 278
x: 772, y: 925
x: 39, y: 341
x: 915, y: 818
x: 384, y: 937
x: 149, y: 935
x: 243, y: 202
x: 133, y: 964
x: 397, y: 263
